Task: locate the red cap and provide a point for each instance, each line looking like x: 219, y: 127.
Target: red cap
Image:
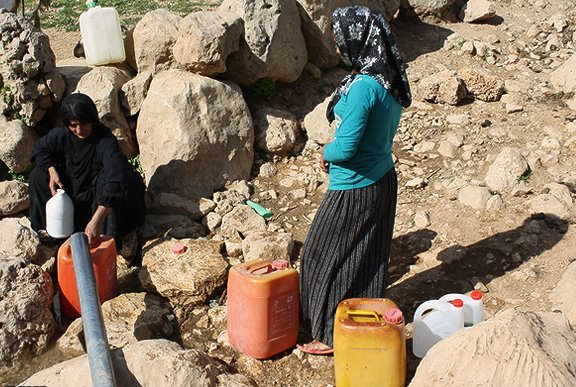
x: 394, y: 316
x: 457, y: 303
x: 476, y: 295
x: 280, y: 264
x: 179, y: 248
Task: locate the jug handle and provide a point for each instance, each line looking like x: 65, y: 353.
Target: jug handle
x: 259, y: 266
x: 430, y: 305
x: 364, y: 313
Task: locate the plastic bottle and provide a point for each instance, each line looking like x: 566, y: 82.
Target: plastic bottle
x: 473, y: 306
x: 101, y: 35
x: 60, y: 215
x: 435, y: 320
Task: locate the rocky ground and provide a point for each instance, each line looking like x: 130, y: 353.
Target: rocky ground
x: 514, y: 254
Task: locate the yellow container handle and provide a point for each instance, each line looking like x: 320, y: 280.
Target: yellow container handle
x: 364, y: 313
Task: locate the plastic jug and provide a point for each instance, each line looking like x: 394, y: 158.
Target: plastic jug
x: 101, y: 35
x: 473, y: 306
x: 104, y: 261
x: 60, y: 215
x: 369, y: 343
x: 435, y: 320
x: 263, y: 306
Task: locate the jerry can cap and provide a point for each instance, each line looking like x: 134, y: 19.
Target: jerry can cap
x: 476, y: 295
x: 179, y: 248
x: 280, y: 264
x: 458, y: 303
x: 394, y: 316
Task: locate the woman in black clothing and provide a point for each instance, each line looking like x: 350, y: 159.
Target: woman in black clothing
x: 83, y: 158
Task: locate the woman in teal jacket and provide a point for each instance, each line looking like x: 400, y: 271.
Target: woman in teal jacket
x: 347, y: 249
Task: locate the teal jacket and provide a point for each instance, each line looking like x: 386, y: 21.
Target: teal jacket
x: 367, y: 117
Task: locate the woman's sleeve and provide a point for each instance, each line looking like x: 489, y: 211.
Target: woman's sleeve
x: 115, y: 177
x: 359, y: 101
x: 48, y: 151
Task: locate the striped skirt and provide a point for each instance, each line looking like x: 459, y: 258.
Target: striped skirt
x: 346, y: 252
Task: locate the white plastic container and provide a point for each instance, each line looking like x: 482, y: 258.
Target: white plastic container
x: 473, y: 306
x: 60, y: 215
x: 101, y: 35
x: 435, y: 320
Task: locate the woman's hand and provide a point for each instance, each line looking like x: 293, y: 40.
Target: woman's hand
x: 95, y: 228
x: 324, y: 165
x: 55, y: 182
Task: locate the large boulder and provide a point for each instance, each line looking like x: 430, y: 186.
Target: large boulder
x: 514, y: 348
x: 273, y: 45
x: 29, y: 80
x: 16, y: 142
x: 154, y: 36
x: 104, y: 84
x: 185, y: 271
x: 158, y: 363
x: 128, y: 318
x: 206, y: 40
x: 26, y: 323
x: 13, y: 197
x: 18, y: 239
x: 195, y: 134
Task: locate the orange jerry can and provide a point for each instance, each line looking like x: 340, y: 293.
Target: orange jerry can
x: 263, y: 307
x: 369, y: 343
x: 104, y: 263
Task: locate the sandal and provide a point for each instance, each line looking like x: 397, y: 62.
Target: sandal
x: 316, y: 348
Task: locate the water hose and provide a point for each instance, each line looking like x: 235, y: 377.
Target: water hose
x: 99, y: 358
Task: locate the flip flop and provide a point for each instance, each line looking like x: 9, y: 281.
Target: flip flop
x: 316, y: 348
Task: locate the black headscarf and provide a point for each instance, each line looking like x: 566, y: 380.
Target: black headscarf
x: 79, y: 107
x: 366, y: 44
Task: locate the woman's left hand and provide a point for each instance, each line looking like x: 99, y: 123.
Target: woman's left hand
x: 324, y: 165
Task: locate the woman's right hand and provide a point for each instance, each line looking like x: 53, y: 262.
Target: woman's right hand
x: 55, y: 182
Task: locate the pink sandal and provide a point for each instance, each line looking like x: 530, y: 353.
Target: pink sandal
x: 315, y: 348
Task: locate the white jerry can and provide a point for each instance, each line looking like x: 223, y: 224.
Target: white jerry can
x: 60, y: 215
x: 101, y: 35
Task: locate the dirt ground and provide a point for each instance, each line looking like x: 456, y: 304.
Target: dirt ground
x: 514, y: 257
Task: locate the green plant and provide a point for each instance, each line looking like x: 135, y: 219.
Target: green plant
x: 264, y: 88
x: 17, y: 176
x: 135, y: 163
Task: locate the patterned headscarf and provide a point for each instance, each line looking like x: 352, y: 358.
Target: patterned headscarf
x: 366, y: 44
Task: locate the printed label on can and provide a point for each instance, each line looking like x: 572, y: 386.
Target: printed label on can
x: 283, y: 310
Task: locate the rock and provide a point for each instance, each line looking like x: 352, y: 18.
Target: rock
x: 548, y: 204
x: 195, y: 134
x: 18, y: 239
x: 267, y: 245
x: 443, y: 87
x: 477, y: 10
x: 174, y: 225
x: 154, y: 36
x: 9, y: 5
x: 205, y: 41
x: 134, y: 91
x: 186, y: 279
x: 268, y: 169
x: 495, y: 203
x: 448, y: 149
x: 531, y: 348
x: 481, y: 85
x: 316, y: 124
x: 29, y: 80
x: 564, y: 77
x: 474, y: 196
x: 104, y: 84
x: 213, y: 221
x: 276, y: 131
x: 159, y: 363
x: 431, y: 7
x: 167, y: 203
x: 561, y: 192
x: 242, y: 219
x: 422, y: 219
x: 27, y: 324
x: 16, y: 143
x: 506, y: 170
x: 128, y: 318
x: 13, y: 197
x: 273, y: 45
x: 562, y: 296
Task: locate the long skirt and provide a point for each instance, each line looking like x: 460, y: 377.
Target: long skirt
x: 346, y: 252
